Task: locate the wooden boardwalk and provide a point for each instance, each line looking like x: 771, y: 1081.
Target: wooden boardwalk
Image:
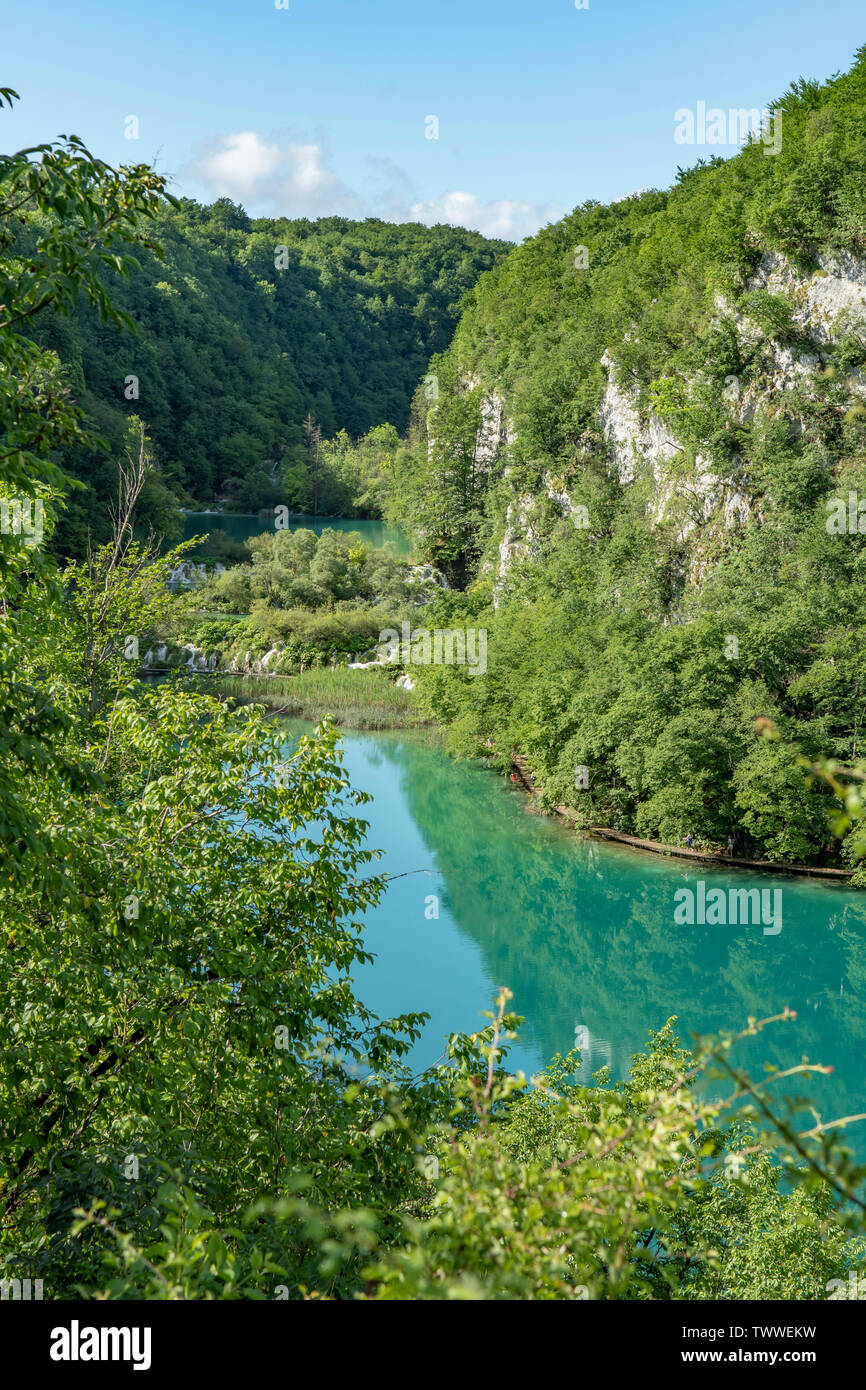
x: 566, y: 813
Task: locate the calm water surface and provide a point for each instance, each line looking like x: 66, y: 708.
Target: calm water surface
x: 584, y: 933
x: 241, y: 527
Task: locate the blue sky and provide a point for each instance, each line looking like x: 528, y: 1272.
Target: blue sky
x: 323, y: 107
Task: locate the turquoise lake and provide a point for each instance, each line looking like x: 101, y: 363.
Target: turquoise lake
x: 584, y: 935
x: 241, y: 526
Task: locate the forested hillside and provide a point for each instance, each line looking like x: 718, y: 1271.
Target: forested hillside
x: 649, y: 428
x: 247, y: 328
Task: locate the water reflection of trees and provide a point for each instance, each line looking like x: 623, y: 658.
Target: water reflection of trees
x: 584, y: 935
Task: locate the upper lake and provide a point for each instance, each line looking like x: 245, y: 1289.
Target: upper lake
x: 241, y: 526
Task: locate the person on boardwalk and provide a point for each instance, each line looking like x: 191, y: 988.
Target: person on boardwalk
x: 689, y: 840
x: 730, y: 844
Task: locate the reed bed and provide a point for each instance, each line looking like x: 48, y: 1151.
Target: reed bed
x: 353, y: 699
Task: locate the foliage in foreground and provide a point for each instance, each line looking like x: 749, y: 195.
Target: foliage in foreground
x: 639, y: 1190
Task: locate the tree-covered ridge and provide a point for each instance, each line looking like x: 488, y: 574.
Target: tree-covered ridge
x: 247, y: 327
x: 540, y: 323
x: 641, y: 426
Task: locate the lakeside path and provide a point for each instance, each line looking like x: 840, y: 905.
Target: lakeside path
x: 565, y: 813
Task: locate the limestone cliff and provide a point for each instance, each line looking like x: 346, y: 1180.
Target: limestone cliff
x: 686, y: 489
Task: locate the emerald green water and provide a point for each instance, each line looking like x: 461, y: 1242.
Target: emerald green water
x: 584, y: 933
x: 240, y: 527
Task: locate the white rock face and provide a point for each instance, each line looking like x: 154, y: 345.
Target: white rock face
x: 561, y: 498
x: 632, y: 443
x: 837, y: 287
x: 495, y: 433
x: 521, y: 540
x: 824, y: 305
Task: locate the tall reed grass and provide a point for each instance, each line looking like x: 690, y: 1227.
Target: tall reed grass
x: 353, y: 699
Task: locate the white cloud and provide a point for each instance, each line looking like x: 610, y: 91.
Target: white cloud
x: 504, y: 217
x: 234, y: 166
x: 288, y: 176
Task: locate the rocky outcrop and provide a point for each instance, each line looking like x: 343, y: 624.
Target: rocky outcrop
x: 632, y: 442
x: 825, y: 305
x: 637, y: 442
x: 820, y: 302
x: 521, y: 540
x: 496, y: 432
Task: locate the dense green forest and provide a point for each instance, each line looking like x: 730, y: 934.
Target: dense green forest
x: 194, y: 1103
x: 649, y: 417
x: 255, y: 339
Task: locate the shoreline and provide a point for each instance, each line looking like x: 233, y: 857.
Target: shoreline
x: 603, y: 832
x: 361, y: 719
